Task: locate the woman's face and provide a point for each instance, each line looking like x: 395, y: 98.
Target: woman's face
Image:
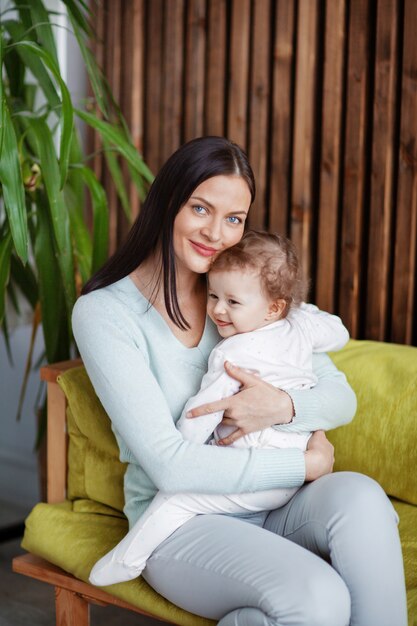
x: 210, y: 221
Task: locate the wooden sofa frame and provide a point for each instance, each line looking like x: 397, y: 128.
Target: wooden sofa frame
x: 72, y: 596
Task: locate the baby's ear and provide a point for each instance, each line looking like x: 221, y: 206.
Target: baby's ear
x: 276, y: 309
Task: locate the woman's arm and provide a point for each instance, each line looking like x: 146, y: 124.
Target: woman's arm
x: 331, y: 403
x: 115, y: 357
x: 259, y: 405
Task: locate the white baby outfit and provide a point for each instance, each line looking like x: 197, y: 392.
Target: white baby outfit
x: 281, y: 354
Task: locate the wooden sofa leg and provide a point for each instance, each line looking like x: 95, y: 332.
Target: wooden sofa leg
x: 71, y: 608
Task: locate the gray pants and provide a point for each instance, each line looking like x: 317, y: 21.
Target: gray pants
x: 330, y: 557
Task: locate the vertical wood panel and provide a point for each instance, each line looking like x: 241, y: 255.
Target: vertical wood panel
x: 353, y: 267
x: 331, y: 153
x: 216, y: 69
x: 173, y: 71
x: 304, y: 129
x: 195, y: 69
x: 113, y: 62
x: 282, y: 112
x: 404, y: 293
x: 323, y: 96
x: 153, y: 84
x: 98, y: 51
x: 131, y: 91
x: 259, y: 109
x: 382, y: 172
x: 126, y: 86
x: 136, y: 92
x: 239, y: 72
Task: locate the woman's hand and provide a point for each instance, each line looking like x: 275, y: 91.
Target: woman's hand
x: 319, y: 457
x: 256, y: 406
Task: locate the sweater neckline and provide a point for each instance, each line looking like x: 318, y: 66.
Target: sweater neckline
x: 150, y: 309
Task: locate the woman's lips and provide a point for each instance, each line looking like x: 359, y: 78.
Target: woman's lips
x: 203, y: 250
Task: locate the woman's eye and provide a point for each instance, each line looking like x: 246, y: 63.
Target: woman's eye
x: 234, y: 220
x: 200, y: 210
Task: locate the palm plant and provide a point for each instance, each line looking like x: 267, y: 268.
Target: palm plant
x: 46, y: 248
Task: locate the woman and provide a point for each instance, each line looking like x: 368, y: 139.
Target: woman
x: 332, y: 556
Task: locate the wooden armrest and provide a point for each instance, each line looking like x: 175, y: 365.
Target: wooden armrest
x: 57, y: 438
x: 50, y: 373
x: 36, y: 567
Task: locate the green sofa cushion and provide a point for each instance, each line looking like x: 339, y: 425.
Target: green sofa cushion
x: 74, y: 535
x: 94, y: 469
x: 381, y: 441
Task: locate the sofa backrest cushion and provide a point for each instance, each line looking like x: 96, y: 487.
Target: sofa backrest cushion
x: 94, y: 469
x: 381, y: 441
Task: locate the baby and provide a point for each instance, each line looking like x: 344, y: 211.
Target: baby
x: 255, y: 298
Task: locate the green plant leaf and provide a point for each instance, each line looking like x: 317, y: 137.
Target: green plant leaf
x: 119, y: 143
x: 34, y: 15
x: 40, y: 360
x: 28, y: 366
x: 33, y: 63
x: 23, y: 276
x: 15, y: 71
x: 42, y: 424
x: 49, y: 278
x: 5, y: 330
x: 11, y: 294
x: 93, y: 71
x: 100, y: 219
x: 75, y: 197
x: 77, y: 16
x: 117, y: 176
x: 12, y: 186
x: 80, y: 235
x: 29, y: 96
x: 5, y: 253
x: 67, y: 116
x: 40, y: 19
x: 2, y: 94
x: 141, y: 186
x: 24, y: 13
x: 74, y: 178
x: 58, y: 211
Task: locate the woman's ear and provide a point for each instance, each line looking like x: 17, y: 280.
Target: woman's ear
x: 276, y: 309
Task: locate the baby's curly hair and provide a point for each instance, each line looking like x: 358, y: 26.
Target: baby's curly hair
x: 276, y: 260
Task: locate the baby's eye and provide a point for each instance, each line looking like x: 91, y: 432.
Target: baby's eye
x: 213, y: 296
x: 233, y: 219
x: 232, y: 302
x: 200, y: 210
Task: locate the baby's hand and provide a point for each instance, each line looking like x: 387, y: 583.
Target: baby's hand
x: 319, y: 456
x: 256, y: 406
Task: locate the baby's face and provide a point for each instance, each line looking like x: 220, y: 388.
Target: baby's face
x: 236, y: 303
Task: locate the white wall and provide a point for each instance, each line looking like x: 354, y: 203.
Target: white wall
x: 18, y: 460
x: 19, y: 482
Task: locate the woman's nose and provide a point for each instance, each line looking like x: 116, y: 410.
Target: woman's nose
x: 212, y: 231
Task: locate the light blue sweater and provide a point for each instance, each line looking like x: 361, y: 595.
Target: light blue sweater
x: 144, y: 375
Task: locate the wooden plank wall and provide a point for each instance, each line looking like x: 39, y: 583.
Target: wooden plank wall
x: 322, y: 94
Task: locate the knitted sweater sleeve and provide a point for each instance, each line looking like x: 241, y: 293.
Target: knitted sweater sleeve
x: 331, y: 403
x: 115, y: 361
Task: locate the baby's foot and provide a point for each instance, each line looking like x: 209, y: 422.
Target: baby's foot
x: 109, y: 571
